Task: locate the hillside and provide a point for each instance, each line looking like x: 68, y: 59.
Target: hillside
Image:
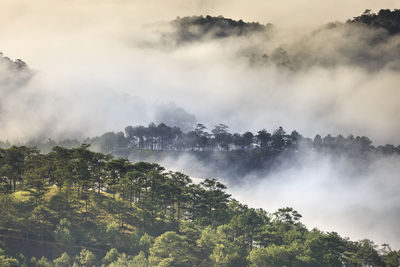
x: 73, y: 206
x: 196, y: 28
x: 385, y: 19
x: 231, y: 156
x: 14, y: 73
x: 367, y: 41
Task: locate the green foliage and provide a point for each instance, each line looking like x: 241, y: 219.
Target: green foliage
x: 7, y: 261
x: 63, y: 261
x: 228, y: 251
x: 43, y: 262
x: 111, y: 256
x: 87, y: 258
x: 236, y: 153
x: 385, y: 19
x: 140, y: 260
x: 273, y: 255
x: 247, y: 225
x: 74, y: 206
x: 123, y: 260
x: 287, y: 215
x: 206, y: 244
x: 171, y: 249
x: 62, y: 233
x: 146, y: 242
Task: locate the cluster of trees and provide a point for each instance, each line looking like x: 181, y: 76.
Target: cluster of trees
x: 164, y: 138
x: 372, y: 51
x: 197, y: 27
x: 17, y: 64
x: 85, y: 172
x: 228, y: 155
x: 13, y: 72
x: 75, y: 207
x: 384, y: 19
x: 363, y: 42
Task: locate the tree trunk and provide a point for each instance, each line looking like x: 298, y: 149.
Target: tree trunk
x: 179, y: 208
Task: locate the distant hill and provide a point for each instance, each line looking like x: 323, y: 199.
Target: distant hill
x: 366, y: 41
x: 230, y: 156
x: 13, y: 72
x: 17, y: 64
x: 198, y: 27
x: 384, y: 19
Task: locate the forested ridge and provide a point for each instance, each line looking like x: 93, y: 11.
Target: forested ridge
x: 75, y: 207
x: 385, y: 19
x: 198, y: 27
x: 14, y: 73
x: 195, y: 28
x: 231, y: 155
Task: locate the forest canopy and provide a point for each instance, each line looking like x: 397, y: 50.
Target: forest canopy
x: 198, y: 27
x: 231, y: 156
x: 83, y: 208
x: 384, y: 19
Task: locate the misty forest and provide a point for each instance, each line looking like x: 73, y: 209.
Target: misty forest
x: 78, y: 187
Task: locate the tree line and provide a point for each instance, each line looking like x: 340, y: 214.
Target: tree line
x: 228, y: 155
x: 165, y: 138
x: 162, y: 137
x: 386, y: 19
x: 76, y: 207
x: 198, y: 27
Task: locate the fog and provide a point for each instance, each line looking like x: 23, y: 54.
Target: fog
x: 334, y: 195
x: 356, y: 198
x: 334, y: 78
x: 97, y: 66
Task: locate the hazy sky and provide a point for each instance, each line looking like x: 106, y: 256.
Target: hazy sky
x: 34, y: 26
x: 87, y: 62
x: 92, y: 57
x: 281, y: 12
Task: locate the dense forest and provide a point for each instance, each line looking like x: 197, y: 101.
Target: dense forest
x: 367, y: 41
x: 14, y: 73
x: 228, y: 155
x: 75, y: 207
x: 198, y: 27
x: 384, y: 19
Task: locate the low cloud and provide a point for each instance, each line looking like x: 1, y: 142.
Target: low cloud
x: 334, y: 194
x: 356, y: 197
x: 174, y: 116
